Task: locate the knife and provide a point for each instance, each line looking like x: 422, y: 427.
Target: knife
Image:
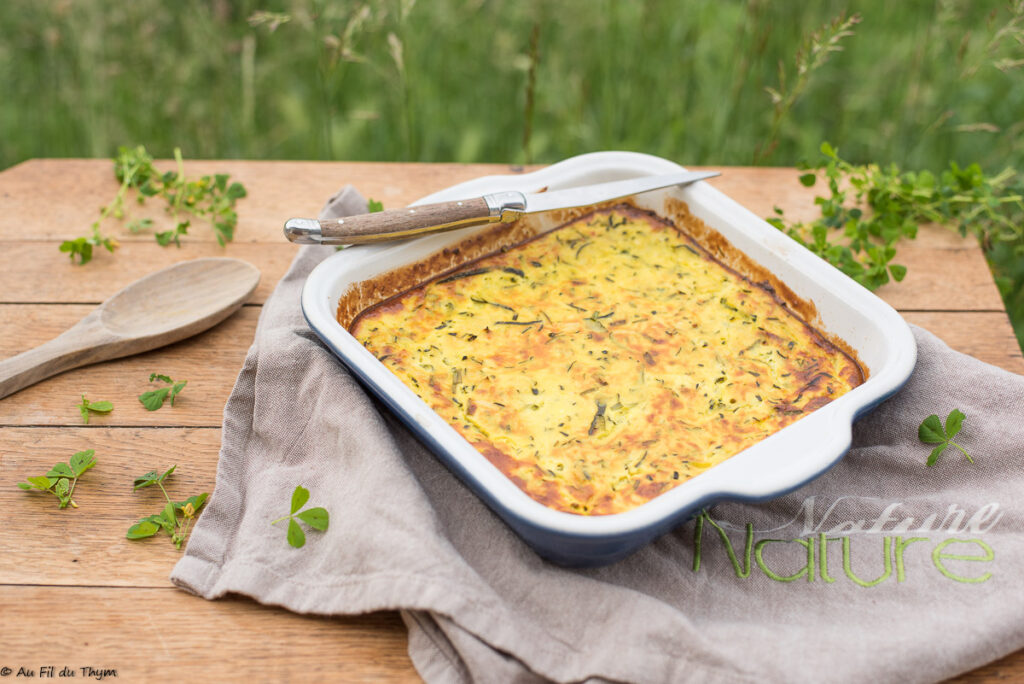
x: 396, y: 224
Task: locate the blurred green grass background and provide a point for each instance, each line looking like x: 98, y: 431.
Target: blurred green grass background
x: 920, y: 83
x: 446, y: 80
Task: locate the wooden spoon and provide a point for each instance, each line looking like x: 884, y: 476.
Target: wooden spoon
x: 163, y: 307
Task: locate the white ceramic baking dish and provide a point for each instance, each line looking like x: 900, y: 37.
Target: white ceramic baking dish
x: 782, y: 462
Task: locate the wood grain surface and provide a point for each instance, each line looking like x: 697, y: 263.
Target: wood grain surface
x: 74, y: 592
x: 169, y: 305
x: 164, y: 635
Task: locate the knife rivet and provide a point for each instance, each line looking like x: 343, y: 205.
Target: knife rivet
x: 459, y: 203
x: 340, y: 221
x: 412, y: 211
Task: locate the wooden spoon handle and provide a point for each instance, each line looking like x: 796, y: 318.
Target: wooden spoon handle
x: 56, y: 356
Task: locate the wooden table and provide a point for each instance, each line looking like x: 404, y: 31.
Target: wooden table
x: 74, y: 592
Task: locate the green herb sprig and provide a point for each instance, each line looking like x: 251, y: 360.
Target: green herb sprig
x: 87, y: 407
x: 931, y: 431
x: 211, y: 198
x: 62, y: 478
x: 154, y: 399
x: 168, y: 519
x: 317, y: 518
x: 869, y: 209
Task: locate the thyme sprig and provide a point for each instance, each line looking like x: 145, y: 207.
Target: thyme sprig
x: 168, y: 519
x: 154, y: 399
x: 62, y: 478
x: 87, y: 407
x: 869, y: 209
x: 210, y: 198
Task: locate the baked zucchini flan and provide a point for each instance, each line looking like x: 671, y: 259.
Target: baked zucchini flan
x: 606, y: 361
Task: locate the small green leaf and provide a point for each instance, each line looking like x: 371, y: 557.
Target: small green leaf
x: 166, y: 473
x: 168, y: 518
x: 934, y: 456
x: 79, y: 247
x: 140, y: 224
x: 930, y: 431
x: 235, y: 191
x: 898, y: 272
x: 177, y: 388
x: 954, y: 421
x: 154, y: 399
x: 101, y: 406
x: 161, y: 378
x: 299, y: 498
x: 62, y: 487
x: 39, y: 482
x: 197, y: 502
x: 317, y: 518
x: 373, y: 206
x: 808, y: 179
x: 142, y: 529
x: 296, y: 537
x: 82, y: 461
x: 146, y: 480
x: 60, y: 470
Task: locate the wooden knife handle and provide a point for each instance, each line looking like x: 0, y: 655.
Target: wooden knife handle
x: 398, y: 223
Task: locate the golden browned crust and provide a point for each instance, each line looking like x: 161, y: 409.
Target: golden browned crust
x: 603, y: 363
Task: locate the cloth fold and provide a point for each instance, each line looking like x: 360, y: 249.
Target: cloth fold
x: 882, y: 569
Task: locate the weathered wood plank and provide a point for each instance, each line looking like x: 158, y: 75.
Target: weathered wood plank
x: 210, y: 362
x: 47, y: 199
x: 928, y: 285
x: 166, y: 634
x: 996, y: 343
x: 20, y: 280
x: 283, y: 189
x: 44, y: 544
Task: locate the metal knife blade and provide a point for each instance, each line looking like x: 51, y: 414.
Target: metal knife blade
x: 605, y: 192
x: 397, y: 224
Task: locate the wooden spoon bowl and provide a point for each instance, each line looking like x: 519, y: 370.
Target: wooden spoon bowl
x: 158, y: 309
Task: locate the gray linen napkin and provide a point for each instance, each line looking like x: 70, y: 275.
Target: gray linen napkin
x: 881, y: 570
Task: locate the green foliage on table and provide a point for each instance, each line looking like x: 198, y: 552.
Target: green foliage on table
x: 175, y: 518
x: 154, y: 399
x: 867, y: 210
x: 87, y: 407
x: 62, y: 478
x: 211, y: 198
